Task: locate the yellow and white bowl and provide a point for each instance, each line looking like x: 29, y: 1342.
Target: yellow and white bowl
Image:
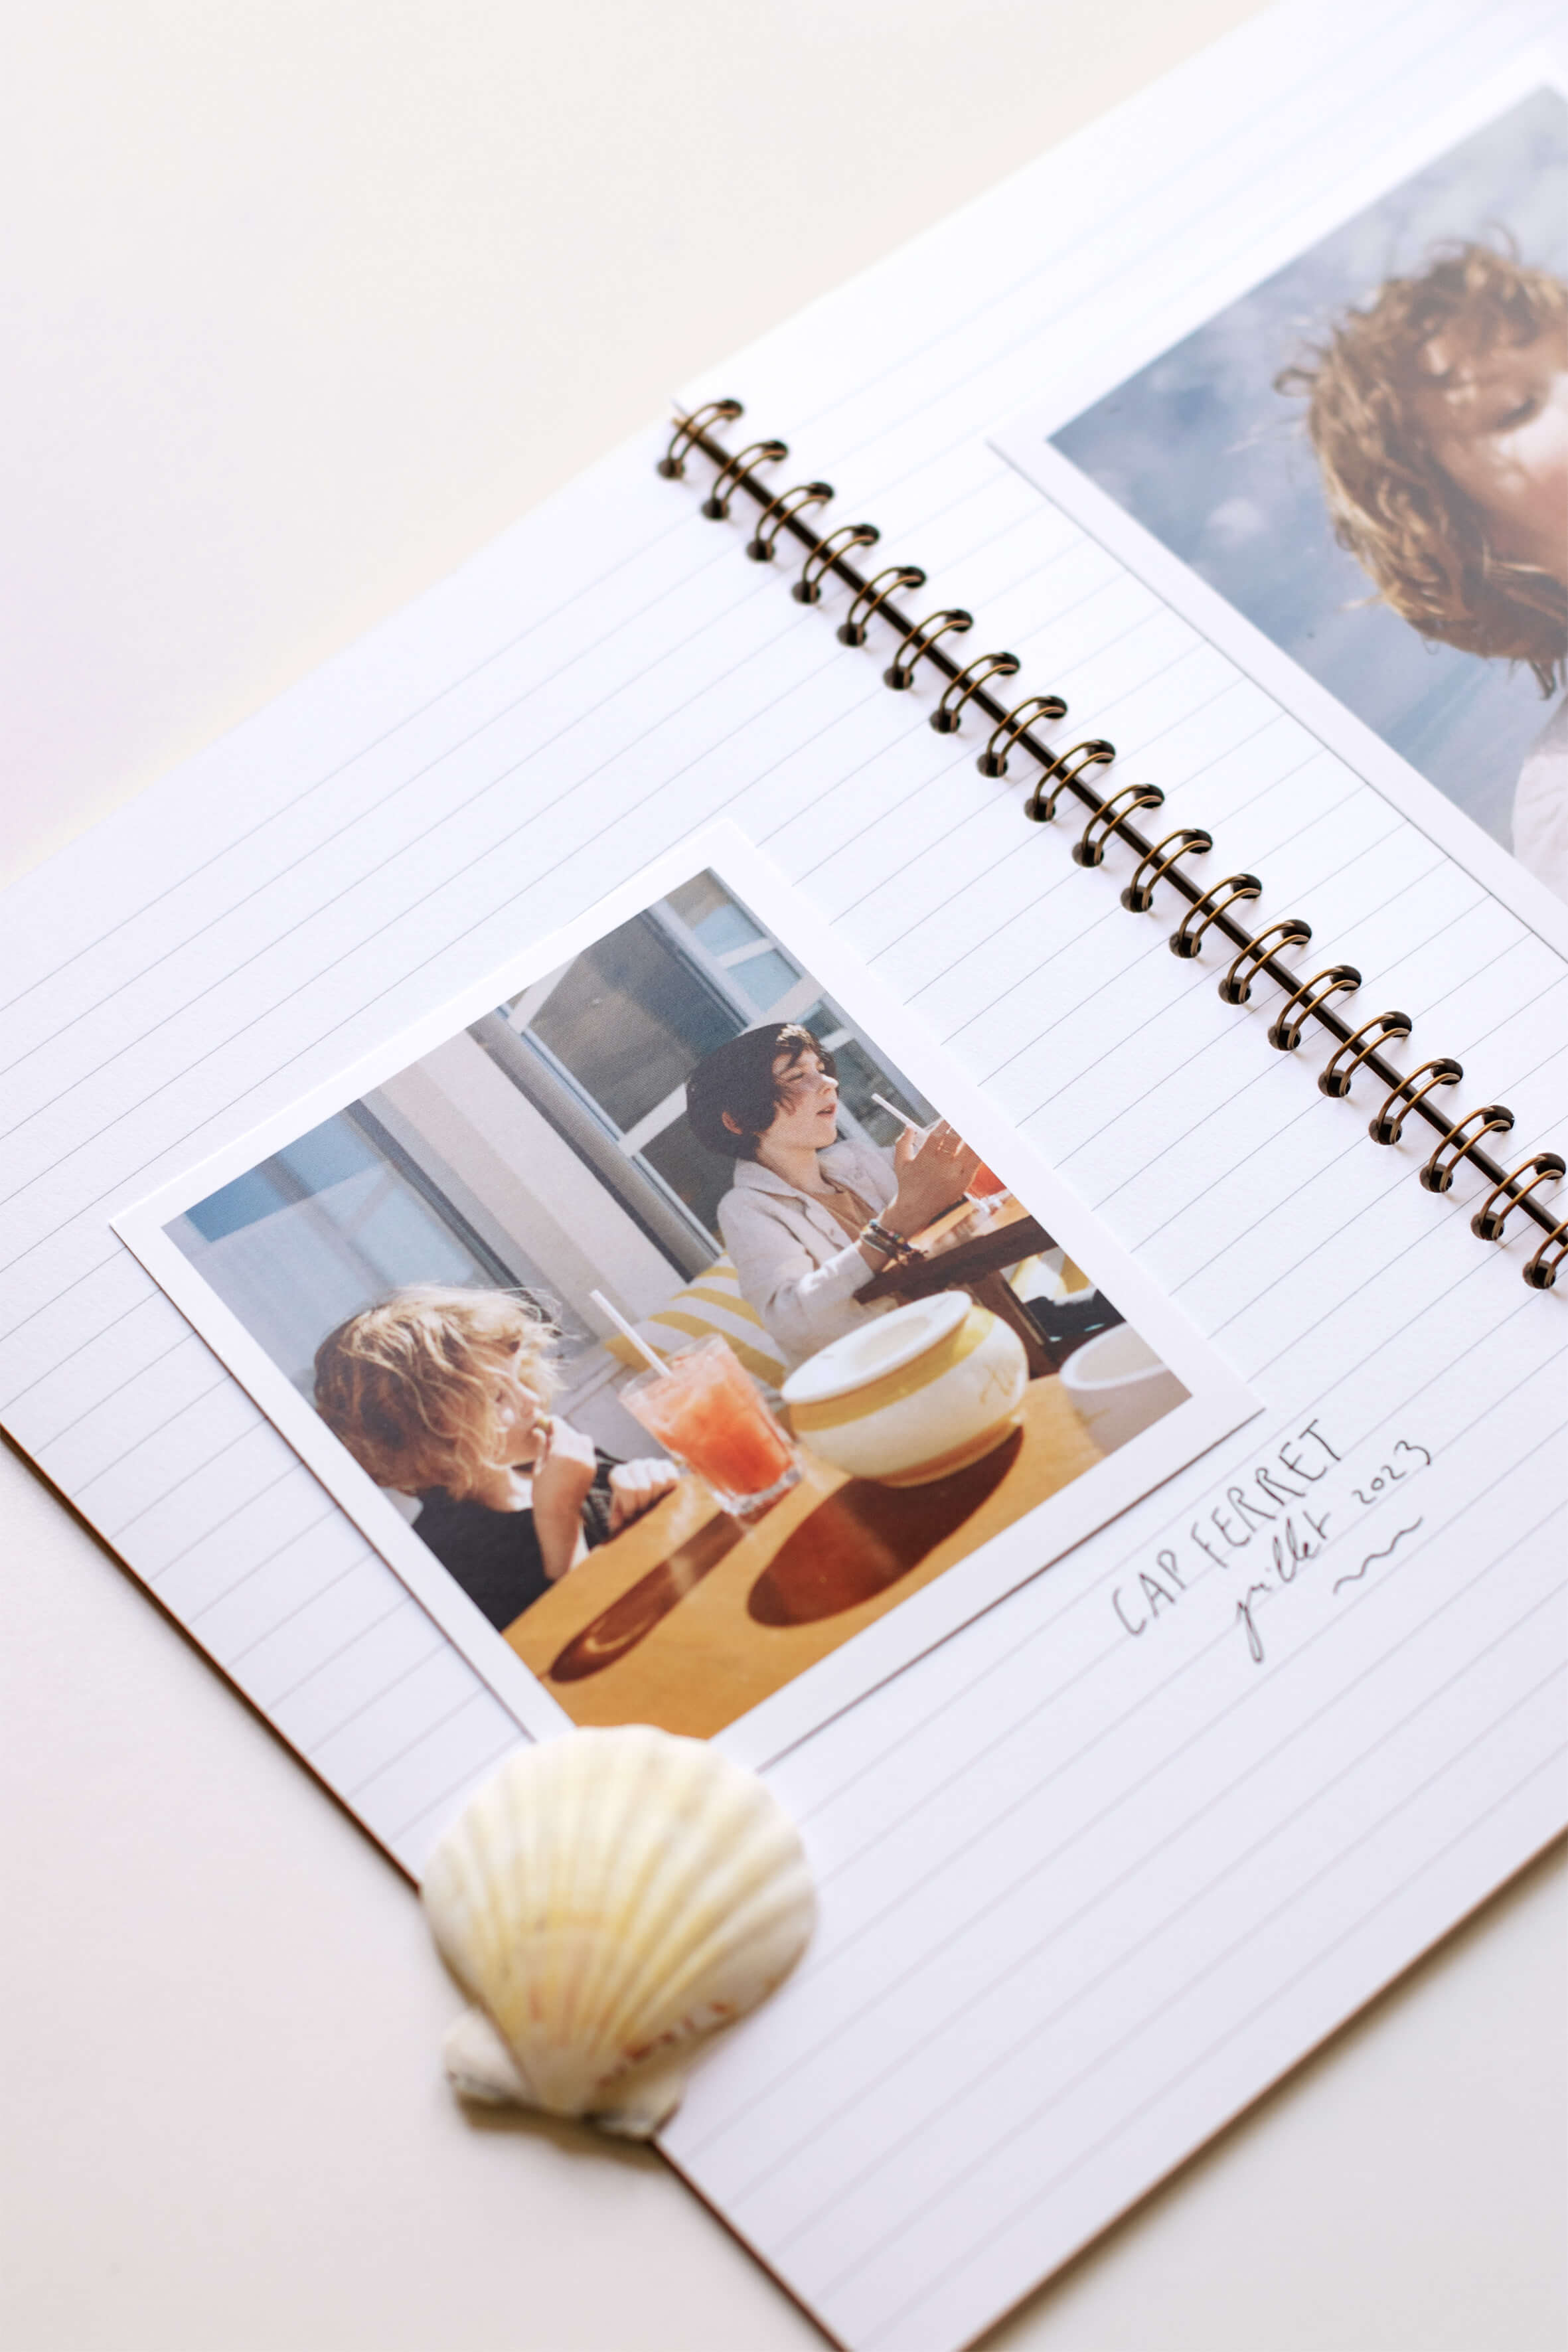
x: 916, y: 1394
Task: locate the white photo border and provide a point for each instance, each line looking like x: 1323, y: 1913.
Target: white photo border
x: 1219, y: 1400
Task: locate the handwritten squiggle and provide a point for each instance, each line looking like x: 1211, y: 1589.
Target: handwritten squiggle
x: 1357, y: 1573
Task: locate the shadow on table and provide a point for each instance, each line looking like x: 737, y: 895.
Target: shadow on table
x: 858, y: 1540
x: 632, y: 1618
x: 864, y: 1537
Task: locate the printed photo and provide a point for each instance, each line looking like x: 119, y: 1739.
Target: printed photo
x: 1366, y: 456
x: 667, y: 1311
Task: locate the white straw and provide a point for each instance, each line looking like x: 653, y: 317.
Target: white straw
x: 655, y: 1363
x: 898, y: 1113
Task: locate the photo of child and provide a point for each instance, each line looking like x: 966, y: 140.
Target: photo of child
x: 1367, y: 456
x: 809, y: 1215
x: 444, y: 1395
x: 655, y: 1309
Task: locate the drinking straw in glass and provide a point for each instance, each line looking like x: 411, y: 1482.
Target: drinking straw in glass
x: 704, y: 1408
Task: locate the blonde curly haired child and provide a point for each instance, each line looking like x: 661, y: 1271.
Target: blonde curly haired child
x: 445, y: 1394
x: 1439, y: 417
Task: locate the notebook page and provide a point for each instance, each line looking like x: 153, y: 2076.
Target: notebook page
x: 1169, y: 1870
x: 307, y: 884
x: 1102, y: 1869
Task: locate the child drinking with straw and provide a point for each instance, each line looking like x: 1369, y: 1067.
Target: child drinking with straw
x: 444, y: 1395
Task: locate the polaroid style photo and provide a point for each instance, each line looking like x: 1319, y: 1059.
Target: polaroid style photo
x: 1350, y: 474
x: 696, y: 1344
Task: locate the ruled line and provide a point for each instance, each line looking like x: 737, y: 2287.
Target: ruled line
x: 853, y: 1858
x: 1134, y: 1869
x: 301, y: 1609
x: 1263, y: 2007
x: 679, y: 523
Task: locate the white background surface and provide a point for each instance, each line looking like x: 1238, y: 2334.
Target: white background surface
x: 302, y: 304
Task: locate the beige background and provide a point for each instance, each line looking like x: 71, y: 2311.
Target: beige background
x: 303, y: 300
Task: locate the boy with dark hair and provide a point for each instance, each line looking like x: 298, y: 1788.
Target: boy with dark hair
x: 810, y: 1218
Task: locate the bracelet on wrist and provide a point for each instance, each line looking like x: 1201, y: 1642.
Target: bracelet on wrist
x: 892, y: 1246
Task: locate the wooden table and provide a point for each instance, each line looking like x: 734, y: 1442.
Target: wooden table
x: 968, y: 1250
x: 689, y: 1618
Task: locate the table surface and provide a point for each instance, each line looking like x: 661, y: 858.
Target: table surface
x: 687, y: 1618
x: 960, y: 1247
x: 303, y: 303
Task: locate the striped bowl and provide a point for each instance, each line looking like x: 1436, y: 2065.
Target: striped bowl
x: 914, y: 1395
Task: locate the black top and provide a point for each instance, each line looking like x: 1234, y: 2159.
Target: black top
x: 495, y: 1556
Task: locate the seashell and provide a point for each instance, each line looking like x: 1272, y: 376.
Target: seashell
x: 609, y: 1900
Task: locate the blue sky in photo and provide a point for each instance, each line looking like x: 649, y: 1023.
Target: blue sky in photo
x: 1210, y: 459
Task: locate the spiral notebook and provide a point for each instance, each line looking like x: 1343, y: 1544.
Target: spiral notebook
x: 1191, y: 890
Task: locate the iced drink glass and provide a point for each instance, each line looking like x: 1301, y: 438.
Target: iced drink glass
x: 705, y: 1410
x: 986, y: 1189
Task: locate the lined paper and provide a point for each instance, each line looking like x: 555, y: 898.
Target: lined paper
x: 1090, y: 1880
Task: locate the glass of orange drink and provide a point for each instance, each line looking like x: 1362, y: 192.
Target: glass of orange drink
x: 705, y: 1409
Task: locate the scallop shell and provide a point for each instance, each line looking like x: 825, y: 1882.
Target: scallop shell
x: 609, y: 1899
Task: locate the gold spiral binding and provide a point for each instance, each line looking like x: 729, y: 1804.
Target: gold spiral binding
x: 1184, y: 940
x: 690, y: 430
x: 1488, y: 1221
x: 1542, y: 1272
x: 780, y: 511
x: 1285, y: 1029
x: 1157, y: 864
x: 1456, y: 1145
x: 856, y: 626
x: 1443, y: 1072
x: 1090, y: 848
x: 1235, y: 988
x: 993, y: 760
x: 948, y: 716
x: 923, y: 636
x: 1390, y: 1027
x: 1065, y: 767
x: 807, y: 589
x: 716, y: 505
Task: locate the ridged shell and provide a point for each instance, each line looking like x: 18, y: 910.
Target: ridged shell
x: 609, y: 1898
